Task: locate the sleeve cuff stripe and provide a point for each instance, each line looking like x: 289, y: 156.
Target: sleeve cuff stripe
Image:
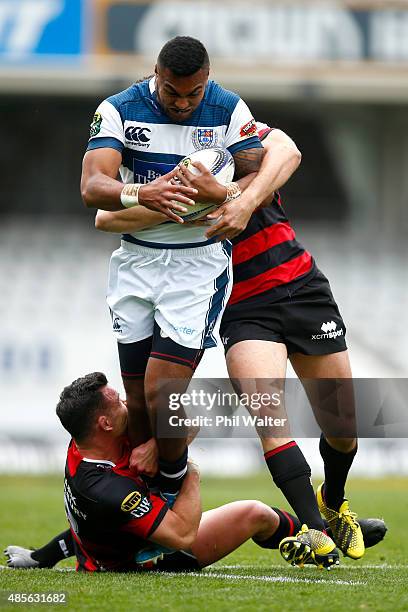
x: 103, y: 142
x: 249, y: 143
x: 158, y: 520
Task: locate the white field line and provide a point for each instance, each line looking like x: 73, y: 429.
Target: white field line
x: 218, y: 572
x: 55, y: 569
x: 311, y: 568
x: 285, y: 579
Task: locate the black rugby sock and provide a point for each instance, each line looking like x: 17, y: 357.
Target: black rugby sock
x: 336, y: 468
x: 291, y: 473
x: 60, y: 547
x: 289, y: 525
x: 171, y: 474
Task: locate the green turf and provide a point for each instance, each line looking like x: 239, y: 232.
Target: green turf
x: 31, y: 512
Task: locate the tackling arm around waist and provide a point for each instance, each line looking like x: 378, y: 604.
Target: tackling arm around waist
x: 129, y: 220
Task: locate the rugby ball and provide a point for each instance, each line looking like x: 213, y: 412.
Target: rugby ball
x: 221, y: 165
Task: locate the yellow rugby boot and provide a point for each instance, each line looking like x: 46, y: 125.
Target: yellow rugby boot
x: 309, y: 546
x: 344, y: 527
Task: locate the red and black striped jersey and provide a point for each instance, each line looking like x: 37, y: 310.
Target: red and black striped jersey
x: 110, y: 511
x: 267, y: 259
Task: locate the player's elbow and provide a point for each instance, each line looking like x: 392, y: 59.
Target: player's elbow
x: 184, y: 541
x: 180, y: 535
x: 297, y: 156
x: 87, y: 194
x: 87, y: 198
x: 185, y: 535
x: 292, y: 152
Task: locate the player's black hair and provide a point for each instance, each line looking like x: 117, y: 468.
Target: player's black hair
x: 80, y: 402
x: 183, y: 55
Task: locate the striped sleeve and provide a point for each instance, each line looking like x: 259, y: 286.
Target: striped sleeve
x: 242, y: 131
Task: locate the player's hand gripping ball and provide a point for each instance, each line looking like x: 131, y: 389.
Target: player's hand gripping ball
x: 221, y: 165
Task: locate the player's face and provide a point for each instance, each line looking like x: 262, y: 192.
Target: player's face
x: 180, y: 96
x: 118, y: 411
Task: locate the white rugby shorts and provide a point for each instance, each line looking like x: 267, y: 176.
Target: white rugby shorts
x: 184, y: 290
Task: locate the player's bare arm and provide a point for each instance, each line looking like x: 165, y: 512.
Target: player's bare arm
x: 248, y: 161
x: 180, y: 525
x: 101, y: 189
x: 127, y: 220
x: 281, y: 160
x: 99, y: 185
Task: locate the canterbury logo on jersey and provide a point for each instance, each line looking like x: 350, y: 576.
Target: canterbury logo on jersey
x: 138, y: 135
x: 116, y: 325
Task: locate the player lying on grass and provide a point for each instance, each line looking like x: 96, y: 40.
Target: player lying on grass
x: 113, y: 516
x: 278, y: 305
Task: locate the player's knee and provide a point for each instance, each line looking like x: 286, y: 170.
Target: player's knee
x: 260, y: 514
x: 343, y: 445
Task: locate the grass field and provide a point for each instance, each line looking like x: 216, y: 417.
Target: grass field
x: 31, y: 511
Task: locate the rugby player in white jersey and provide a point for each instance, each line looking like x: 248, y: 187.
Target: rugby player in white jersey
x: 169, y: 284
x: 265, y: 356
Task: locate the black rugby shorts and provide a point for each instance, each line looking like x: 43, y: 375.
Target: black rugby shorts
x: 307, y: 321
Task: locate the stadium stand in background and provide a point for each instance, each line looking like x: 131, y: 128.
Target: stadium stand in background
x: 334, y: 76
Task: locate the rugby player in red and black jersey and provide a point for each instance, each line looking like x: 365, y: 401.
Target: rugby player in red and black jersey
x: 110, y: 510
x: 279, y: 306
x: 113, y: 516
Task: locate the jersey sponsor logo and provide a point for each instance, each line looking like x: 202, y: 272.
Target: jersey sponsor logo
x: 131, y: 501
x: 136, y: 134
x: 116, y: 325
x: 189, y: 331
x: 146, y: 171
x: 204, y: 138
x: 249, y: 129
x: 143, y: 508
x: 328, y: 327
x: 329, y: 330
x: 96, y: 125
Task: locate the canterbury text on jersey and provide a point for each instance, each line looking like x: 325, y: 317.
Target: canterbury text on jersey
x: 133, y: 123
x: 110, y: 511
x: 266, y: 256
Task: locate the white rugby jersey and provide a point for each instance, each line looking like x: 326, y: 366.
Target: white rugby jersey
x: 151, y: 144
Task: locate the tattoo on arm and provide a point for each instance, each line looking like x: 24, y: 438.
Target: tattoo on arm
x: 247, y: 161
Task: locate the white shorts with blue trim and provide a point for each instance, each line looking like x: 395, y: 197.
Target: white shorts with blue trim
x: 184, y: 290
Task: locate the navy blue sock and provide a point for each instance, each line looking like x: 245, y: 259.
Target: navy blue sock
x: 171, y: 474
